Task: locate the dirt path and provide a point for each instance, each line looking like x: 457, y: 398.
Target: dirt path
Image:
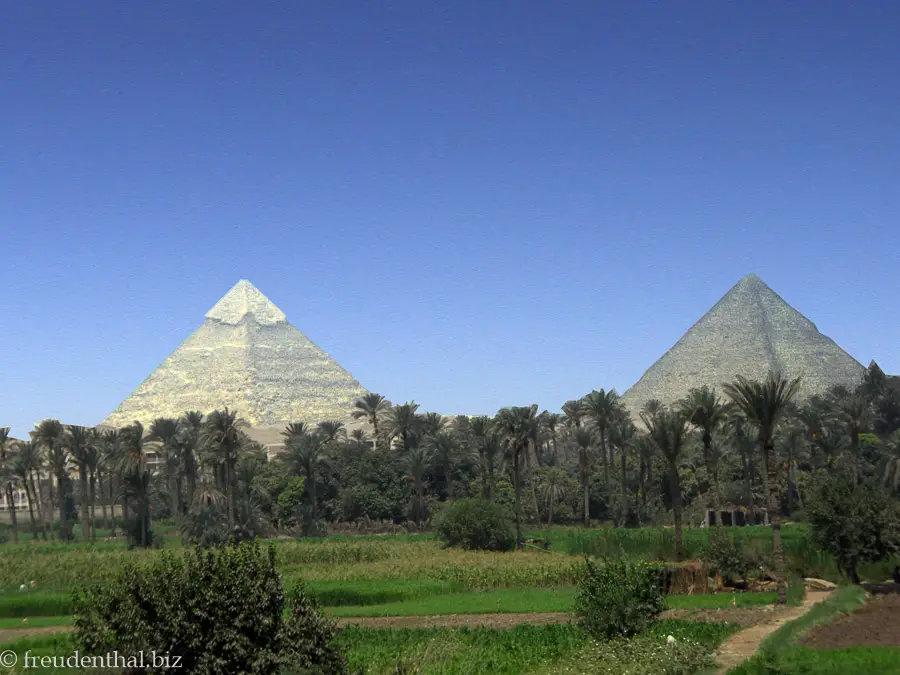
x: 741, y: 646
x: 460, y: 620
x: 12, y: 634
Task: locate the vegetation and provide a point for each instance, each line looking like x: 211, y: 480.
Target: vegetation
x: 219, y: 611
x: 618, y: 598
x: 477, y: 524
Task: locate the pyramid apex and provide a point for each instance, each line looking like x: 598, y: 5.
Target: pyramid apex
x: 243, y: 299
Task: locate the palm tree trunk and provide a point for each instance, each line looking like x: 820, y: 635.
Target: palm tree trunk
x: 374, y: 421
x: 38, y: 499
x: 85, y: 502
x: 711, y: 470
x: 102, y: 500
x: 28, y: 496
x: 93, y: 500
x: 448, y: 475
x: 550, y: 511
x: 774, y: 517
x: 624, y: 460
x: 675, y: 488
x: 50, y: 506
x: 12, y: 512
x: 420, y: 511
x: 63, y: 520
x: 604, y: 458
x: 518, y: 493
x: 748, y: 484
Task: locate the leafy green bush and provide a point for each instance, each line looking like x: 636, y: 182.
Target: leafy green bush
x: 220, y: 610
x: 725, y: 554
x: 477, y: 524
x: 619, y: 597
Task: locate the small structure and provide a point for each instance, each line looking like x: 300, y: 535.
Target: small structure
x: 734, y: 516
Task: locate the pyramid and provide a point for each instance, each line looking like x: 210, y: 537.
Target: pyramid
x: 248, y: 357
x: 750, y: 331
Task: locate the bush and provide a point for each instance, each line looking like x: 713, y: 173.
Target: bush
x: 220, y: 610
x: 725, y: 554
x: 618, y: 598
x: 477, y: 524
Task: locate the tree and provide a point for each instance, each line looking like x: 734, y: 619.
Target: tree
x: 163, y: 433
x: 855, y: 413
x: 853, y: 521
x: 603, y: 407
x: 307, y: 457
x: 25, y: 457
x: 79, y: 441
x: 705, y: 412
x: 371, y: 407
x: 222, y: 440
x: 8, y: 478
x: 764, y: 404
x: 49, y: 435
x: 554, y: 489
x: 668, y: 429
x: 584, y: 439
x: 136, y: 478
x: 444, y: 447
x: 418, y: 462
x: 189, y: 427
x: 332, y: 431
x: 404, y: 423
x: 519, y: 427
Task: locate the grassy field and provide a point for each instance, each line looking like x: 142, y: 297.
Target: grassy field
x: 412, y: 575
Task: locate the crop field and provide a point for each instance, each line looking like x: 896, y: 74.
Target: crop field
x: 365, y: 577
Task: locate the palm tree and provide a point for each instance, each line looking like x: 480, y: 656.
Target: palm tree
x: 573, y: 413
x: 371, y: 407
x: 890, y: 470
x: 222, y: 440
x: 48, y: 435
x: 293, y: 431
x: 584, y: 438
x: 668, y: 430
x: 404, y: 422
x: 432, y: 423
x: 855, y: 412
x: 136, y: 478
x: 79, y: 440
x: 109, y: 463
x: 792, y: 443
x: 621, y: 433
x: 603, y: 407
x: 444, y: 447
x: 93, y: 460
x: 306, y: 457
x: 189, y: 426
x: 163, y: 433
x: 8, y: 478
x: 332, y: 430
x: 551, y: 423
x: 555, y: 489
x: 418, y: 462
x: 21, y: 467
x: 488, y: 447
x: 645, y: 449
x: 519, y: 427
x: 705, y: 412
x: 764, y: 403
x: 360, y: 438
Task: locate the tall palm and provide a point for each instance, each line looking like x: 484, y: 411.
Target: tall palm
x: 646, y: 450
x: 23, y: 461
x: 371, y: 407
x: 603, y: 407
x: 109, y: 467
x: 307, y: 457
x: 584, y: 438
x: 136, y: 477
x: 93, y: 459
x: 792, y: 442
x: 621, y: 434
x: 573, y: 413
x: 360, y: 438
x: 418, y: 461
x: 856, y: 415
x: 332, y: 430
x: 48, y: 434
x: 405, y: 422
x: 293, y: 431
x: 444, y: 447
x: 189, y: 427
x: 433, y: 423
x: 551, y: 423
x: 705, y: 412
x: 222, y: 439
x: 163, y: 433
x: 764, y: 404
x: 554, y: 490
x: 9, y: 478
x: 489, y: 447
x: 519, y: 427
x: 668, y: 431
x: 79, y: 441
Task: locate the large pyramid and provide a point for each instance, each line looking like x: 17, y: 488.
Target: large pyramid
x: 748, y: 332
x: 248, y: 357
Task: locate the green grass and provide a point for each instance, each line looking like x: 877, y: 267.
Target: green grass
x: 37, y: 622
x: 359, y: 593
x: 458, y: 651
x: 60, y: 644
x: 781, y: 653
x: 517, y: 601
x: 30, y: 603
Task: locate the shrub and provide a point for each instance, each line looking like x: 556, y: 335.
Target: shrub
x: 854, y: 522
x: 220, y: 610
x: 477, y: 524
x: 725, y: 554
x: 618, y: 597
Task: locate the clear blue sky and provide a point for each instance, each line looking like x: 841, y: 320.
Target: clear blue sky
x: 470, y: 204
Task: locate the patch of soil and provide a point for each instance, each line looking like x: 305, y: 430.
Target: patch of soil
x: 12, y: 634
x: 459, y: 620
x: 875, y: 624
